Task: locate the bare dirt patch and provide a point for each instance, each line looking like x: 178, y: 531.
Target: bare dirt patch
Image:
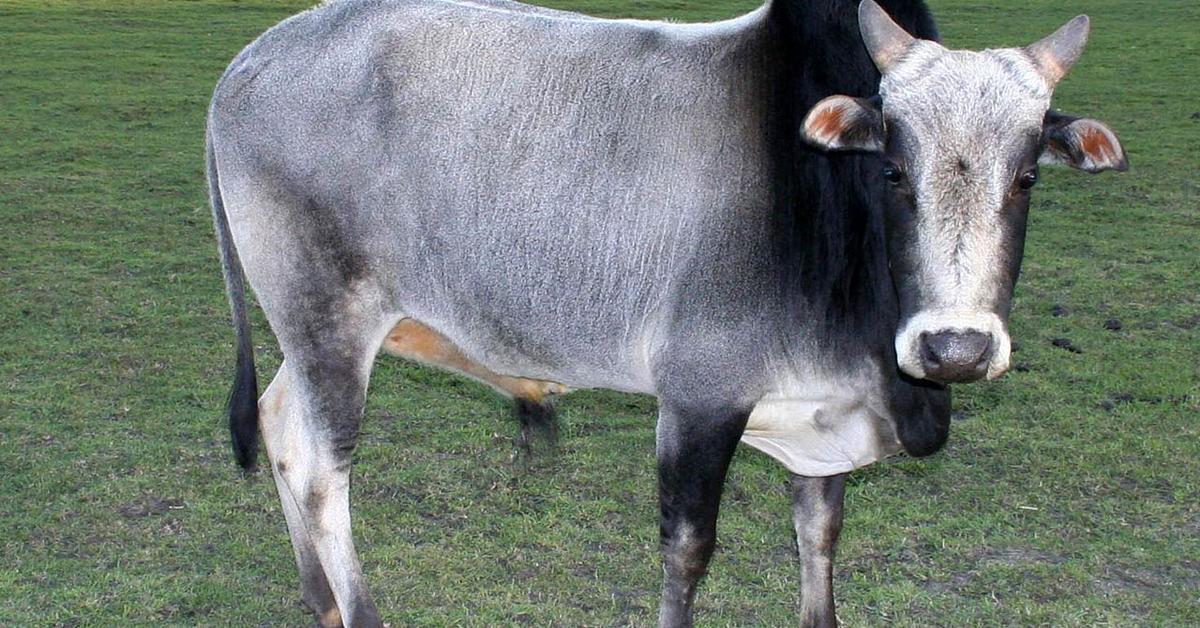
x: 1116, y: 580
x: 149, y: 505
x: 1016, y: 556
x: 984, y: 558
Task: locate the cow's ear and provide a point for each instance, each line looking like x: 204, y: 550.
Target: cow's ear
x: 1082, y: 143
x: 845, y: 123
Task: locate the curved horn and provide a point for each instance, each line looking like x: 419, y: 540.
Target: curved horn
x: 1055, y: 54
x: 885, y: 39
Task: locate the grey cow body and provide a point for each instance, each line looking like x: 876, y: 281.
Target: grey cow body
x: 542, y: 246
x: 567, y: 199
x: 544, y: 201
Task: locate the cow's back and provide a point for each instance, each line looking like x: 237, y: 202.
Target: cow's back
x: 526, y: 181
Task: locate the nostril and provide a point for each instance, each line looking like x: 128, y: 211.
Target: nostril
x: 978, y: 345
x: 930, y: 350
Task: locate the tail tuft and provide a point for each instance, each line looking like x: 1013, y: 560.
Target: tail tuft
x: 243, y: 398
x: 243, y: 414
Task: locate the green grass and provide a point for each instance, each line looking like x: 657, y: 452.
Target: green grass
x: 1068, y: 494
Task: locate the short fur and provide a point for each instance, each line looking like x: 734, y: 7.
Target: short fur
x: 609, y: 204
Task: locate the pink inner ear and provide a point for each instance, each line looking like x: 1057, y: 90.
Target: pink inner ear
x: 827, y: 123
x: 1095, y: 144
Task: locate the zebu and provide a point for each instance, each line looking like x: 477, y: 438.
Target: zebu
x: 545, y: 201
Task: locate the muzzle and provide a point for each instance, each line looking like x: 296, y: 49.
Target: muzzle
x: 953, y: 347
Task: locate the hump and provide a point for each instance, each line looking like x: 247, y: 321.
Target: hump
x: 828, y: 55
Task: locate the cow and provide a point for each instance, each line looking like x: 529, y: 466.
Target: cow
x: 794, y: 228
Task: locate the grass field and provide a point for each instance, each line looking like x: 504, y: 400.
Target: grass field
x: 1069, y: 493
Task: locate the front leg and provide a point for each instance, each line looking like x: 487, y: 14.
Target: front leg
x: 817, y: 510
x: 694, y: 450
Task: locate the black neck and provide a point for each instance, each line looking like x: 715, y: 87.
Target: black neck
x: 829, y: 237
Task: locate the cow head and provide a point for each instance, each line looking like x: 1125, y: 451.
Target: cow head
x: 961, y: 134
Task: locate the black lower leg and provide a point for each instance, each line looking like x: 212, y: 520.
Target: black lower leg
x: 694, y: 450
x: 539, y: 424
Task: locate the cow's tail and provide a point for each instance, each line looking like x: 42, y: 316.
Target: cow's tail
x: 243, y: 398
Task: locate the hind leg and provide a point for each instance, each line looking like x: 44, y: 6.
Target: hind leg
x: 317, y: 282
x: 310, y: 426
x: 274, y: 414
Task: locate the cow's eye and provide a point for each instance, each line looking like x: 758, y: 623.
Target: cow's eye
x: 893, y: 174
x: 1028, y: 179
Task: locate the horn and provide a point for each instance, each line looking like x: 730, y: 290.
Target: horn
x: 885, y: 39
x: 1055, y: 54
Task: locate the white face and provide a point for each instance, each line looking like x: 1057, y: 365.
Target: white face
x: 961, y: 134
x: 962, y: 129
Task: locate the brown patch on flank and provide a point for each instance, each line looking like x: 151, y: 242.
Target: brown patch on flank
x: 417, y: 341
x: 281, y: 466
x: 412, y: 339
